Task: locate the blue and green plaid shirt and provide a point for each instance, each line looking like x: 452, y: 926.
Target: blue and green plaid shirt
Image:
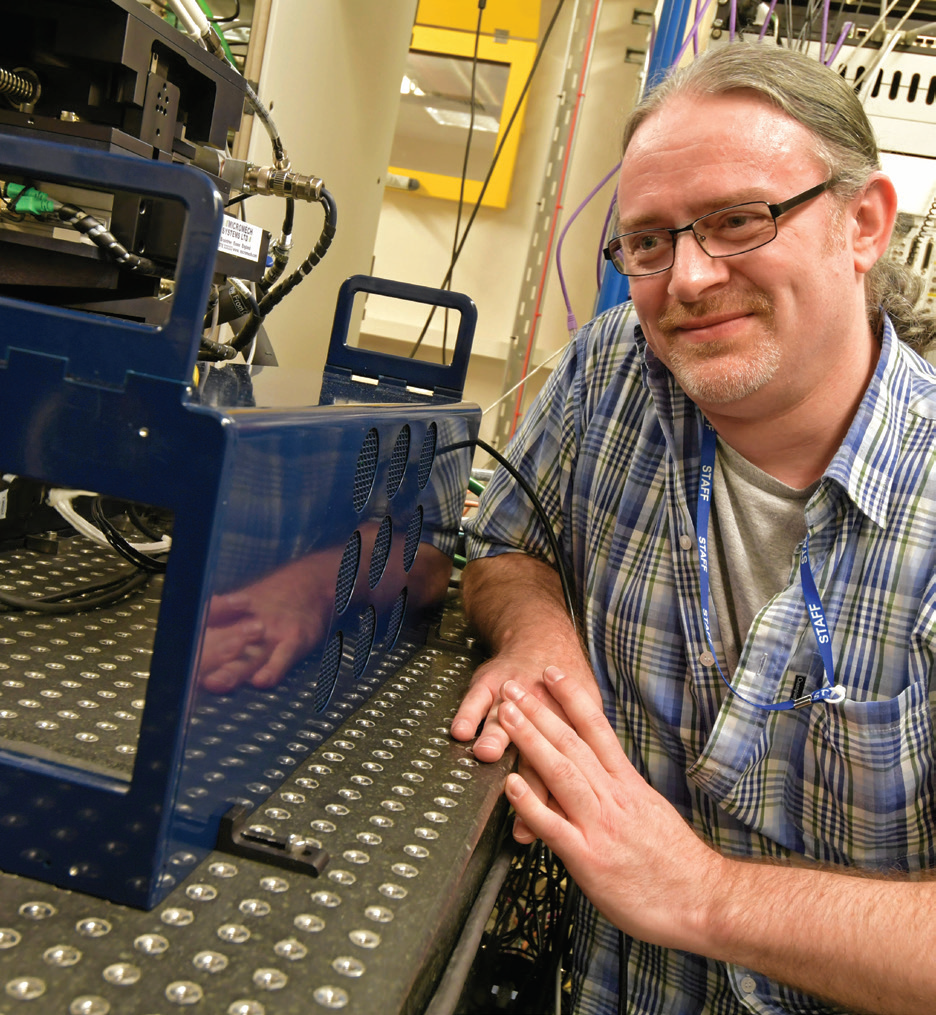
x: 612, y: 448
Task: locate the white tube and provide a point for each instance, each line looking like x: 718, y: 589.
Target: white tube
x: 61, y: 499
x: 198, y: 16
x: 189, y: 26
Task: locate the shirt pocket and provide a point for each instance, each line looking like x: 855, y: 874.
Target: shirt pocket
x: 868, y: 782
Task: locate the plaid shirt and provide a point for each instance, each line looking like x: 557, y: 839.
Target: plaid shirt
x: 612, y: 447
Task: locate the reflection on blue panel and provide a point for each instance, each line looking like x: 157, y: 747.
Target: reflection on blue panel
x: 311, y: 546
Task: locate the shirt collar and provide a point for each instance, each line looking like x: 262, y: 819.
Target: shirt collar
x: 865, y: 462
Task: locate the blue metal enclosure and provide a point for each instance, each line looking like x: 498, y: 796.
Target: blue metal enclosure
x: 313, y: 533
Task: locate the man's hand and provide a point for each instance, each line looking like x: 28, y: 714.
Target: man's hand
x: 517, y: 605
x: 257, y: 634
x: 627, y: 848
x: 482, y: 703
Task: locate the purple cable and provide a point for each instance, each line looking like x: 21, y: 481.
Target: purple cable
x: 825, y: 29
x: 841, y: 40
x: 693, y: 33
x: 571, y: 323
x: 732, y: 20
x: 612, y: 204
x: 695, y: 38
x: 767, y: 16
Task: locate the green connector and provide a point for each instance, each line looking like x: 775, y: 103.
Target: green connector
x: 32, y: 202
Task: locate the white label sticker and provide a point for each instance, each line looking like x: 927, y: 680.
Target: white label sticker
x: 4, y: 497
x: 240, y: 238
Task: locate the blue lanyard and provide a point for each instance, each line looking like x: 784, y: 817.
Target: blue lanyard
x: 832, y: 692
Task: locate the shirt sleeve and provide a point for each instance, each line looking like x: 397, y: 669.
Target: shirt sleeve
x: 543, y: 451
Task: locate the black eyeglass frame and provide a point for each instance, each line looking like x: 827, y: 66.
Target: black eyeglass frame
x: 776, y: 210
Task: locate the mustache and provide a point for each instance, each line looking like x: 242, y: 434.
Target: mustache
x: 678, y: 314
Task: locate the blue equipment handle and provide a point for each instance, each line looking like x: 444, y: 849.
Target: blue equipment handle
x: 98, y: 349
x: 443, y: 379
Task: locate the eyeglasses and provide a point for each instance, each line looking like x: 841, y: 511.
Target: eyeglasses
x: 722, y: 233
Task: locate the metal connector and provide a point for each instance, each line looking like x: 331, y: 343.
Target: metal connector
x: 282, y: 183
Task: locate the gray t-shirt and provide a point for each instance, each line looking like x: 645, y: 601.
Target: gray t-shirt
x: 756, y: 524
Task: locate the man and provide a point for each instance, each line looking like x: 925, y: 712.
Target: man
x: 741, y: 487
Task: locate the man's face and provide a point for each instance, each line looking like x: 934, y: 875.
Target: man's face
x: 757, y: 331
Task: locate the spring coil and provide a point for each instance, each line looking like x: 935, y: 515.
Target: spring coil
x: 16, y: 87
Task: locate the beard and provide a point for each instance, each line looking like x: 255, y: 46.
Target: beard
x: 722, y: 371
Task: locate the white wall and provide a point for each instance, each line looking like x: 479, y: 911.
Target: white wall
x: 414, y: 239
x: 331, y: 77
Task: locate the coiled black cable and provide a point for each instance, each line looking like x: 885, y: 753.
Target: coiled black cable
x: 273, y: 297
x: 89, y: 226
x: 280, y: 249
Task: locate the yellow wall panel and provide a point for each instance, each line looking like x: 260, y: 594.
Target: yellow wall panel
x: 520, y: 18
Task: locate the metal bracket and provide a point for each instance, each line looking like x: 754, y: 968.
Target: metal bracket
x: 280, y: 851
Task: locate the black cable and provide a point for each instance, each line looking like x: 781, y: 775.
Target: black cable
x: 107, y: 581
x: 272, y: 298
x: 538, y: 508
x: 249, y: 331
x: 136, y: 516
x: 210, y: 351
x: 238, y: 199
x: 129, y: 552
x: 105, y: 240
x: 213, y: 298
x: 280, y: 249
x: 623, y: 963
x: 560, y: 922
x: 50, y: 605
x: 464, y: 172
x: 487, y: 179
x: 29, y: 187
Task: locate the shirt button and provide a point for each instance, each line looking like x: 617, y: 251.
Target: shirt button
x: 685, y: 542
x: 707, y: 659
x: 748, y: 984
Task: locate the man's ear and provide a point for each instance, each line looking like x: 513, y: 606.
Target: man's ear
x: 874, y: 211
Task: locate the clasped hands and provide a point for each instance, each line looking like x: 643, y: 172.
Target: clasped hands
x: 625, y: 845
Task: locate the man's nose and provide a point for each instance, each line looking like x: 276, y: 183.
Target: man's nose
x: 694, y: 273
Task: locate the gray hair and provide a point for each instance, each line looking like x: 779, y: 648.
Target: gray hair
x: 823, y: 102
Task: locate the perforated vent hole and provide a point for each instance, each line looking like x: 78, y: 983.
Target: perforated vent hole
x: 398, y: 458
x: 365, y: 641
x: 427, y: 455
x: 328, y: 673
x: 347, y: 572
x: 366, y: 469
x: 396, y: 619
x: 381, y: 552
x: 413, y: 532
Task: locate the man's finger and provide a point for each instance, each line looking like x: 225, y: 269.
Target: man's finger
x: 588, y: 720
x: 557, y: 754
x: 541, y: 821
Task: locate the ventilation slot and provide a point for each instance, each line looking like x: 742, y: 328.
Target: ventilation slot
x: 366, y: 469
x: 413, y: 532
x: 381, y: 552
x: 427, y: 455
x: 396, y: 619
x: 398, y: 458
x: 328, y: 673
x: 347, y: 572
x: 365, y: 641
